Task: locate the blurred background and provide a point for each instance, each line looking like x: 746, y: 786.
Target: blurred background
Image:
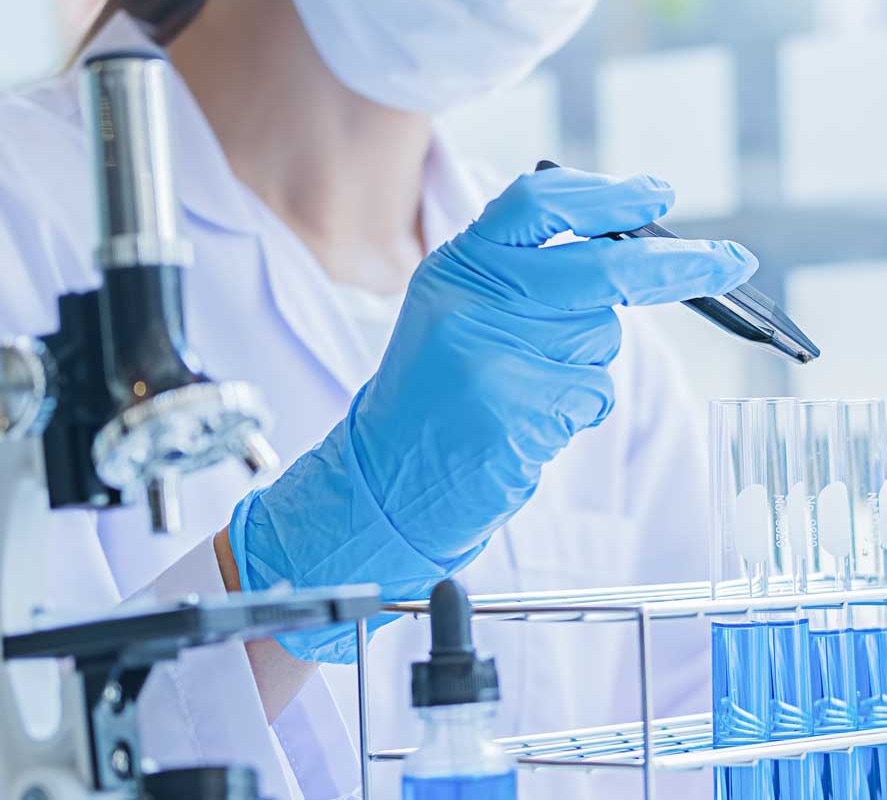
x: 769, y: 118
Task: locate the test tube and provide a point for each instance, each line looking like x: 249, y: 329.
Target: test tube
x: 791, y: 699
x: 863, y: 438
x: 872, y: 773
x: 754, y: 464
x: 832, y: 674
x: 870, y: 656
x: 836, y: 776
x: 740, y: 683
x: 750, y: 782
x: 792, y: 779
x: 827, y: 504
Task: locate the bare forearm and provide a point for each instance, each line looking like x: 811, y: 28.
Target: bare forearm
x: 278, y: 675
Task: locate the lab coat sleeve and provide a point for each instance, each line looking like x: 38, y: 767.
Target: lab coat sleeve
x: 205, y: 706
x: 666, y: 467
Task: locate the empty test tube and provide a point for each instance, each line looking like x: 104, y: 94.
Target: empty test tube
x: 757, y: 518
x: 864, y: 439
x: 827, y: 507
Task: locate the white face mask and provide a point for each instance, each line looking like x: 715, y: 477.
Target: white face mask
x: 427, y: 55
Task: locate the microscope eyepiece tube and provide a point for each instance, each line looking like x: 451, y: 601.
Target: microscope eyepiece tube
x: 126, y: 98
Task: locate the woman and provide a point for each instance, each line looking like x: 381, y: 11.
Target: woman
x: 312, y: 184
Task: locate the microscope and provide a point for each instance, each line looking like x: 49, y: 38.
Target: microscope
x: 111, y: 404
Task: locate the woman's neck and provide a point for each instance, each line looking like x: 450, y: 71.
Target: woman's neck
x: 345, y: 173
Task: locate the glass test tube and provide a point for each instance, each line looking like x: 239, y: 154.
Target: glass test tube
x: 792, y: 779
x: 863, y: 437
x: 827, y: 507
x: 743, y: 783
x: 754, y: 464
x: 790, y: 696
x: 740, y: 683
x: 872, y: 773
x: 870, y: 656
x: 832, y: 673
x: 836, y: 776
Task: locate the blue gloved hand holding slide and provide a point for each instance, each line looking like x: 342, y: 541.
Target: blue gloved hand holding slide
x: 499, y: 357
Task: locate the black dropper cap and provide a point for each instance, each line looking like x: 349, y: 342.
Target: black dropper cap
x: 454, y: 675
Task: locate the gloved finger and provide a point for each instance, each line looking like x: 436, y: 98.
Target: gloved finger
x: 603, y: 272
x: 583, y: 337
x: 563, y: 399
x: 540, y: 205
x: 587, y: 398
x: 653, y: 271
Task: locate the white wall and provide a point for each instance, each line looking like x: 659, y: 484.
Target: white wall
x: 673, y: 114
x: 846, y: 302
x: 834, y: 117
x: 512, y: 129
x: 31, y: 39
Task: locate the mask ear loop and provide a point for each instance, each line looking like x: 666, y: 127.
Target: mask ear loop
x: 163, y: 20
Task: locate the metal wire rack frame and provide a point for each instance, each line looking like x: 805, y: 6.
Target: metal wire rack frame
x: 649, y: 744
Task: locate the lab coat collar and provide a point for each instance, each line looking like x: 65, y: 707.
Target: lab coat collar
x: 308, y: 300
x: 207, y: 186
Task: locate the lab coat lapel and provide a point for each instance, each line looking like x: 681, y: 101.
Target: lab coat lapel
x: 305, y: 298
x: 304, y: 294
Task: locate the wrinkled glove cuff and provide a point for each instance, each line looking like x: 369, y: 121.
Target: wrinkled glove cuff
x: 320, y: 525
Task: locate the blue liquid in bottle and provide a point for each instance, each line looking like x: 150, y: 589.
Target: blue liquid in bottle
x: 468, y: 787
x: 456, y: 694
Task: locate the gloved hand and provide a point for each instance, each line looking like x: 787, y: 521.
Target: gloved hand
x: 499, y: 356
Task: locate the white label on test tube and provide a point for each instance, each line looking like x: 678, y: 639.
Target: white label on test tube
x: 753, y: 524
x: 834, y: 519
x: 797, y: 519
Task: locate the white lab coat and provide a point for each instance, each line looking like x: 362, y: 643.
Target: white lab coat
x: 623, y: 504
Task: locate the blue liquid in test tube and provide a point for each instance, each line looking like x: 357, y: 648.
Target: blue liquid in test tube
x: 792, y: 779
x: 743, y: 783
x: 740, y: 683
x: 833, y: 678
x: 870, y: 652
x: 836, y: 776
x: 791, y: 713
x: 872, y: 766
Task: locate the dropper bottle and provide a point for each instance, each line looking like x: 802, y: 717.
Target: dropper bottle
x: 457, y: 695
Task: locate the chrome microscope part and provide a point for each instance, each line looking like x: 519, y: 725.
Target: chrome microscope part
x: 170, y: 418
x: 26, y: 377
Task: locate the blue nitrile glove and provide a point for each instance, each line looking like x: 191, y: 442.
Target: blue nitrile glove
x: 499, y: 356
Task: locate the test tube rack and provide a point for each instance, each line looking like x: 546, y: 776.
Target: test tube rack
x: 649, y: 745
